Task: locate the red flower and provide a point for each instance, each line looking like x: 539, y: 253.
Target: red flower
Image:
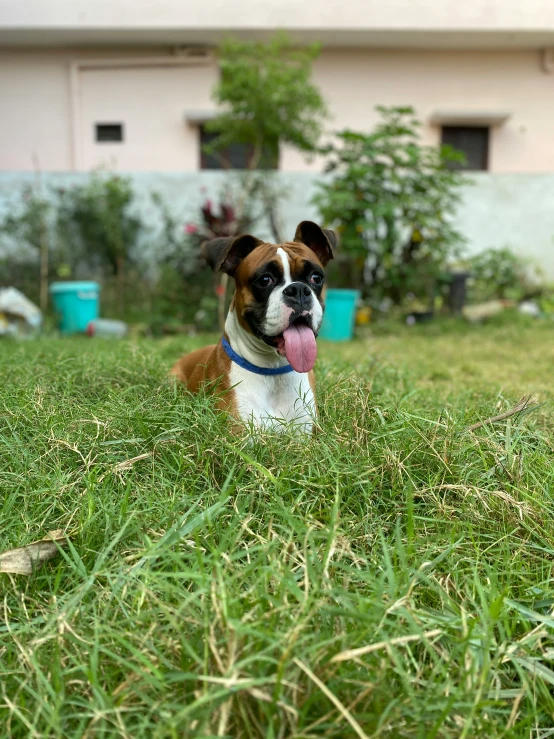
x: 220, y: 290
x: 190, y: 228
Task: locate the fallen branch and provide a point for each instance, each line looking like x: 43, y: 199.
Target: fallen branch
x: 523, y: 405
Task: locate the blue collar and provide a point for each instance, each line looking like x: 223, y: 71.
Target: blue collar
x: 245, y: 364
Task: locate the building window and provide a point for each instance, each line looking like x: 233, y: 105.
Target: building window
x: 473, y: 141
x: 109, y: 132
x: 235, y: 156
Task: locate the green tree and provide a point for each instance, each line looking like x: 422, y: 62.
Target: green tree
x: 267, y: 99
x: 392, y: 201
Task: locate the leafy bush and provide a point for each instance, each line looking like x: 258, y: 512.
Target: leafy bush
x: 391, y: 199
x: 97, y: 223
x: 31, y: 225
x: 187, y: 286
x: 499, y: 273
x: 93, y: 229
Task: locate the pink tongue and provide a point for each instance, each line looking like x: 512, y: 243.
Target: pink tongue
x: 300, y: 347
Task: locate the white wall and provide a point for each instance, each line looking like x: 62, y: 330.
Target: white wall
x: 497, y: 210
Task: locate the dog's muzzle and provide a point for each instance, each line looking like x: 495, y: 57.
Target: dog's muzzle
x: 298, y: 296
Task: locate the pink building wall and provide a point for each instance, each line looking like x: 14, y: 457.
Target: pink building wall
x: 50, y: 103
x: 477, y: 81
x: 35, y: 112
x: 150, y: 101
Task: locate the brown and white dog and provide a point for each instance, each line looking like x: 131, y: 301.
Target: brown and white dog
x: 263, y: 366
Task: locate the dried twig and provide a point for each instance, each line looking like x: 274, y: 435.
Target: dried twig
x: 349, y: 654
x: 333, y: 698
x: 523, y: 405
x: 128, y: 463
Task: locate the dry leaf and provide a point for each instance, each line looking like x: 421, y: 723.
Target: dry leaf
x: 25, y: 560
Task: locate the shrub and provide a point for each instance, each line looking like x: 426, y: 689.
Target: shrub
x: 391, y: 199
x: 97, y: 224
x: 186, y: 283
x: 30, y: 225
x: 500, y: 273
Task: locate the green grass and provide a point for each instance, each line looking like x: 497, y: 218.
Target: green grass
x: 211, y: 584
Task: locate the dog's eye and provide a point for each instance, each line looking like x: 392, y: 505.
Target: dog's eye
x: 265, y: 281
x: 316, y: 279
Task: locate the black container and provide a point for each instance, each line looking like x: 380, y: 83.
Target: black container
x: 457, y: 293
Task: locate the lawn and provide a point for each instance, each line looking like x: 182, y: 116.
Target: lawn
x: 390, y: 577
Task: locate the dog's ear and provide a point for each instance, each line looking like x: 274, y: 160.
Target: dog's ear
x: 226, y: 254
x: 322, y: 241
x: 212, y: 251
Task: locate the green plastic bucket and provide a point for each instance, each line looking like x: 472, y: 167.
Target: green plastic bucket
x: 340, y: 315
x: 76, y: 303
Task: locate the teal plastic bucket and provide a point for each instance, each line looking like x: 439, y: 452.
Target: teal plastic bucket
x: 76, y: 303
x: 340, y: 315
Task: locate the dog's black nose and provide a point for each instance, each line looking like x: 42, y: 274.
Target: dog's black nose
x: 297, y: 291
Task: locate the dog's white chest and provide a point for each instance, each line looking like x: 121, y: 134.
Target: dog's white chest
x: 273, y: 401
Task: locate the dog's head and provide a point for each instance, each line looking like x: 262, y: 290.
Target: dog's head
x: 278, y: 287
